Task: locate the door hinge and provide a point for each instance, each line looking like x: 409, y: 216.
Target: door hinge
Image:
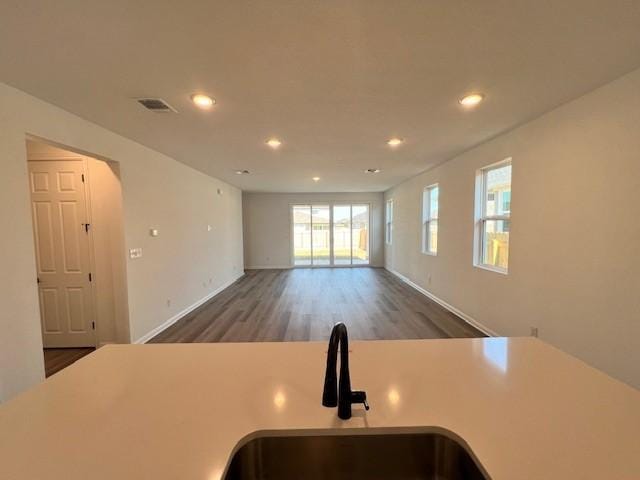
x: 86, y: 227
x: 38, y: 279
x: 90, y: 278
x: 93, y: 325
x: 83, y: 178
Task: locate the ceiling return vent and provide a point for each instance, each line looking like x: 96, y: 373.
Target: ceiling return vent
x: 156, y: 105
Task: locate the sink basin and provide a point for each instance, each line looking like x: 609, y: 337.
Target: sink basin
x: 437, y: 456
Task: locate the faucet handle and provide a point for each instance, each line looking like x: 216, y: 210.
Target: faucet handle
x: 360, y: 396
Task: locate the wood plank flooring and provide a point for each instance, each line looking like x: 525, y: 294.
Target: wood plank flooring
x: 55, y: 359
x: 304, y: 304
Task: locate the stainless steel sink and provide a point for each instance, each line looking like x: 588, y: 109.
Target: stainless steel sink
x: 436, y: 456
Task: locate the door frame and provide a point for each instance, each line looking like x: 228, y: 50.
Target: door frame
x: 331, y: 259
x: 87, y: 196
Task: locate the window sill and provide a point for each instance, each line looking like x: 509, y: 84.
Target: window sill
x: 489, y: 268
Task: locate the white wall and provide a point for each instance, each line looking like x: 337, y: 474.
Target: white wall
x: 267, y: 228
x: 109, y: 259
x: 158, y: 192
x: 574, y: 268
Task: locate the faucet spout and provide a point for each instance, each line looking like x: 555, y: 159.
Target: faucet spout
x: 339, y: 393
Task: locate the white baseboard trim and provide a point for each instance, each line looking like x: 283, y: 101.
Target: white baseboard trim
x: 467, y: 318
x: 148, y: 336
x: 268, y: 267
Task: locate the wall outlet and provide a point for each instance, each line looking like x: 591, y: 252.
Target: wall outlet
x: 154, y: 232
x: 208, y: 228
x: 534, y: 332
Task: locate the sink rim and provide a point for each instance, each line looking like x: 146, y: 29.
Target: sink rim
x: 354, y: 431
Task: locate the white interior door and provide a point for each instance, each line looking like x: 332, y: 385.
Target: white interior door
x: 60, y: 226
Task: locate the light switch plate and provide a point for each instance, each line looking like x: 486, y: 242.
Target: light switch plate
x: 135, y: 253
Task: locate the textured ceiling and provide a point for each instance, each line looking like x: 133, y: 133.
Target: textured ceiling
x: 332, y: 79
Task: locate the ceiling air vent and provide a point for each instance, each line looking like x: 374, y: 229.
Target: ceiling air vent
x: 156, y: 105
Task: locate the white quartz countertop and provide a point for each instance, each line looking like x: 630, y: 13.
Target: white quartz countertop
x: 178, y: 411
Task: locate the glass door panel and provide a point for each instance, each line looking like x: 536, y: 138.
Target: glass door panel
x: 360, y: 234
x: 301, y: 217
x: 342, y: 234
x: 326, y: 235
x: 321, y: 235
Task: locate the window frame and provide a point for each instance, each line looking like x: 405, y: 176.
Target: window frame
x: 388, y: 222
x: 331, y: 263
x: 428, y: 218
x: 481, y: 218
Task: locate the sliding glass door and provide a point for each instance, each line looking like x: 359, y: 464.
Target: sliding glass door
x: 342, y: 234
x: 325, y: 235
x: 301, y: 219
x: 320, y: 235
x: 360, y: 234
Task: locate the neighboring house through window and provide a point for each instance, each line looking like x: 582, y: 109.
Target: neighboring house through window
x: 430, y: 220
x: 493, y: 216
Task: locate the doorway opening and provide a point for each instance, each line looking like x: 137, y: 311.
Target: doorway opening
x: 76, y: 207
x: 330, y: 235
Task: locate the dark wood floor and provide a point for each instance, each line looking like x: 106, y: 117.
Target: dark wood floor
x: 303, y: 304
x: 55, y: 359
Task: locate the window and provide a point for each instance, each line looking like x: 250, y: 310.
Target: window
x: 302, y: 228
x: 342, y: 234
x: 350, y: 234
x: 360, y: 234
x: 505, y: 199
x: 430, y: 220
x: 325, y: 235
x: 389, y: 222
x: 320, y: 236
x: 493, y: 214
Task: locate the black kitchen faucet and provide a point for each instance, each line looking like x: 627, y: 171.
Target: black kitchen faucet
x: 335, y: 394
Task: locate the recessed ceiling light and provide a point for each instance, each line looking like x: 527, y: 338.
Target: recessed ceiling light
x: 372, y: 170
x: 242, y: 172
x: 316, y: 179
x: 471, y: 100
x: 394, y: 142
x: 273, y: 142
x: 202, y: 101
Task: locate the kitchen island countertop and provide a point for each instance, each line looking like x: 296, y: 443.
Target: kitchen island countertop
x: 178, y: 411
